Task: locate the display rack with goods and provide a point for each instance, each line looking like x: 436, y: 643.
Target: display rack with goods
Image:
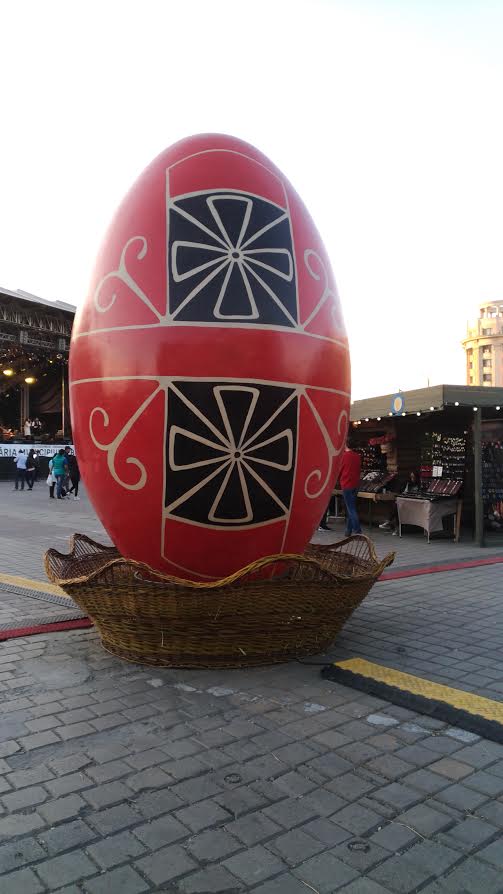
x: 375, y: 475
x: 492, y: 484
x: 442, y: 457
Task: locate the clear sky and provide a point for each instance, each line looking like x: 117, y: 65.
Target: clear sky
x: 386, y: 115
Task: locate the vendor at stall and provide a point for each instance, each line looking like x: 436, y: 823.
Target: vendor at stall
x: 412, y: 486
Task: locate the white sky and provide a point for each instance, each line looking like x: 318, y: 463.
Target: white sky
x: 386, y: 115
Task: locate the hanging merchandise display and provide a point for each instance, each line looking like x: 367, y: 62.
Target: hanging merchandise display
x: 492, y: 484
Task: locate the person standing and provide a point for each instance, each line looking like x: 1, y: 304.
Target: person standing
x: 59, y: 470
x: 30, y: 469
x: 74, y: 471
x: 349, y: 479
x: 20, y: 461
x: 27, y: 428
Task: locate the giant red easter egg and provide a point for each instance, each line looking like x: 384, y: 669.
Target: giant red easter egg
x: 209, y: 365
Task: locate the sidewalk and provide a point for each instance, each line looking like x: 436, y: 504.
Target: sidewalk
x: 117, y: 778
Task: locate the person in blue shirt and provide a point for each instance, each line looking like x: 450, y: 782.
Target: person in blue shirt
x: 60, y: 471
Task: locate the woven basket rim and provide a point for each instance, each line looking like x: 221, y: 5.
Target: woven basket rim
x: 53, y: 558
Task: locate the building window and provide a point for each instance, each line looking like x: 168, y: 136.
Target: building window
x: 487, y: 331
x: 471, y: 380
x: 487, y: 378
x: 486, y: 362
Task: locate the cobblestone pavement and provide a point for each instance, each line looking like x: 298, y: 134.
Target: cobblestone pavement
x: 117, y: 778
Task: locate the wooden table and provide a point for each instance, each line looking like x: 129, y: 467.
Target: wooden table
x: 371, y: 497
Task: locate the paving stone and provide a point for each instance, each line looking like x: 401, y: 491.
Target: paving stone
x: 66, y: 836
x: 160, y: 832
x: 451, y: 768
x: 19, y: 824
x: 254, y: 865
x: 185, y: 768
x: 197, y: 789
x: 114, y: 819
x: 415, y: 754
x: 107, y: 794
x: 390, y: 766
x: 211, y: 880
x: 433, y: 856
x: 26, y: 797
x: 360, y: 853
x: 332, y: 739
x: 400, y: 874
x: 214, y: 845
x: 363, y: 886
x: 399, y: 796
x: 253, y: 828
x: 394, y: 836
x: 65, y: 785
x: 66, y: 869
x: 68, y: 764
x: 471, y: 877
x: 62, y: 808
x: 485, y: 782
x: 285, y: 883
x: 326, y: 831
x: 441, y: 744
x: 108, y: 772
x: 123, y: 879
x: 290, y: 812
x: 469, y: 834
x: 152, y: 804
x: 38, y: 740
x: 22, y: 882
x: 357, y: 819
x: 295, y: 846
x: 295, y: 784
x: 17, y: 854
x: 351, y: 786
x: 330, y: 765
x: 324, y: 802
x: 425, y: 819
x: 426, y: 781
x: 242, y: 800
x: 461, y: 797
x: 166, y: 864
x: 203, y: 815
x: 492, y: 811
x: 325, y: 873
x: 115, y: 849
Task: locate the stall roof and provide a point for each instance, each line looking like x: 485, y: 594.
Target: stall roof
x: 423, y: 399
x: 20, y: 295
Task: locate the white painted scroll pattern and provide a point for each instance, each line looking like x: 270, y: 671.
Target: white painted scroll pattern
x: 316, y: 476
x: 122, y: 274
x: 113, y: 446
x: 328, y: 294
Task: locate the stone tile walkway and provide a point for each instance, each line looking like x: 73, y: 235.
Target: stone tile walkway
x: 117, y: 778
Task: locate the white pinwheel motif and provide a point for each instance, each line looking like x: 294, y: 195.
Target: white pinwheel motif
x: 231, y: 260
x: 231, y: 467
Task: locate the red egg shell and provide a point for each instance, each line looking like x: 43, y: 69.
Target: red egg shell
x: 209, y: 365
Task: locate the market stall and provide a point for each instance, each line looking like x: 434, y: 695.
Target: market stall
x: 452, y: 436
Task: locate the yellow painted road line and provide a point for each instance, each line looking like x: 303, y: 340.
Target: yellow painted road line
x: 27, y: 583
x: 455, y: 698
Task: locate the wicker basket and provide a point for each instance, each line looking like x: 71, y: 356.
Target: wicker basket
x: 242, y: 620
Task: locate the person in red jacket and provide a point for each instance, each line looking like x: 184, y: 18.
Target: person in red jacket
x: 349, y: 479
